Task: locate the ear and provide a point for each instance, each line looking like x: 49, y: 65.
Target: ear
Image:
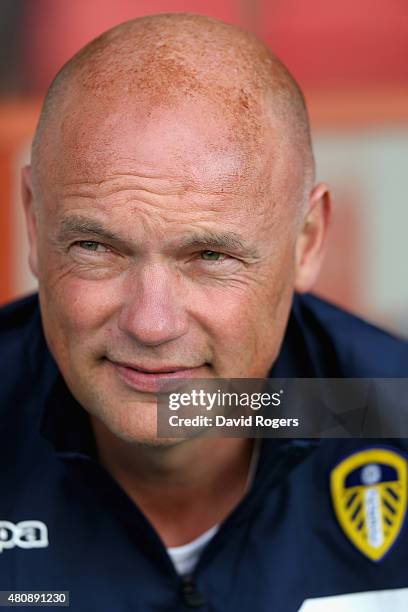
x: 311, y: 242
x: 31, y: 221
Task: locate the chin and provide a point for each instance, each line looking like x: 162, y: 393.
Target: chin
x: 135, y: 424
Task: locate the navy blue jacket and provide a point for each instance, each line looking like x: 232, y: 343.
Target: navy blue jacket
x: 281, y: 546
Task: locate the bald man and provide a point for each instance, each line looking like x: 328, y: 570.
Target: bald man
x: 175, y: 228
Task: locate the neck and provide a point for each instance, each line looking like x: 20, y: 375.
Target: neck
x: 184, y: 488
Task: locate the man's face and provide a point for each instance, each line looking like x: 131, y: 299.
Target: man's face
x: 162, y: 243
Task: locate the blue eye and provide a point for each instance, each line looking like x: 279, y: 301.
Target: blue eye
x: 91, y: 245
x: 211, y: 255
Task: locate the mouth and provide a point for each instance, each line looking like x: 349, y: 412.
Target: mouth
x: 150, y: 379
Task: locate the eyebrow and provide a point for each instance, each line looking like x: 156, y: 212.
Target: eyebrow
x: 78, y: 225
x: 215, y: 240
x: 74, y: 226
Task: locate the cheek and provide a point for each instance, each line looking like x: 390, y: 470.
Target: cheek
x: 248, y: 324
x: 236, y: 320
x: 77, y: 308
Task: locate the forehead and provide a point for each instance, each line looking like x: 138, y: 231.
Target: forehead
x: 191, y: 144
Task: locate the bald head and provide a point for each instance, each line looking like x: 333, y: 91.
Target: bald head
x: 161, y: 63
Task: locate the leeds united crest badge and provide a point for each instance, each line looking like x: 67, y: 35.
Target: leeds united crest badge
x: 369, y: 493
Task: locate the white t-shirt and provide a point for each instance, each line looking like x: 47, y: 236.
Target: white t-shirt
x: 186, y: 557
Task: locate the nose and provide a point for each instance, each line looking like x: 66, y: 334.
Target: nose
x: 154, y: 311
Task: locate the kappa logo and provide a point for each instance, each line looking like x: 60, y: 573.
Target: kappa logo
x: 26, y: 534
x: 369, y: 492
